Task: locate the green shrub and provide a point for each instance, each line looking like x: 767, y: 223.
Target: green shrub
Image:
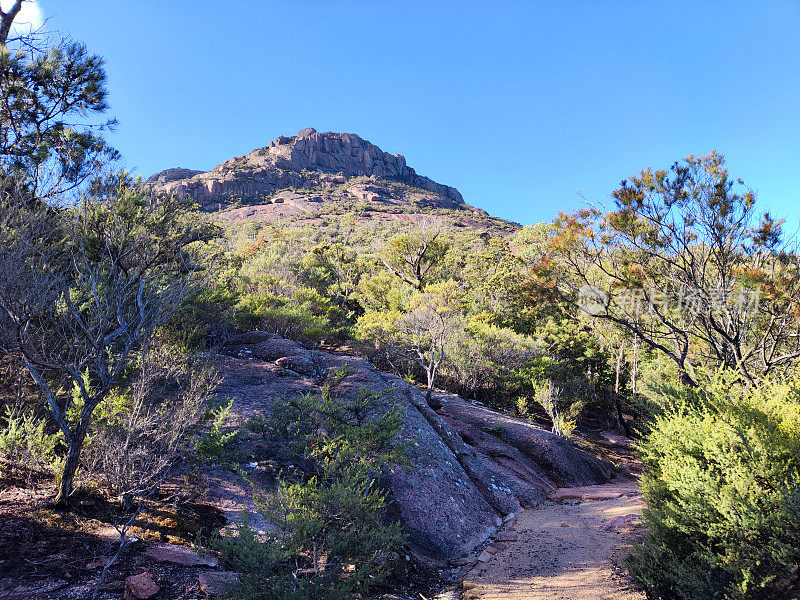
x: 331, y: 538
x: 288, y: 318
x: 24, y: 438
x: 253, y: 309
x: 562, y: 410
x: 488, y: 359
x: 202, y: 320
x: 723, y: 491
x: 217, y: 445
x: 245, y: 553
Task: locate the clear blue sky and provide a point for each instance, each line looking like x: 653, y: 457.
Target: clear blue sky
x: 520, y: 105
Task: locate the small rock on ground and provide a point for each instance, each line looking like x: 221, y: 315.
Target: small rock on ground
x: 140, y: 587
x: 506, y: 536
x: 485, y: 557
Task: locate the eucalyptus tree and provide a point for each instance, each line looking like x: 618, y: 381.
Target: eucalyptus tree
x: 414, y: 255
x: 83, y: 290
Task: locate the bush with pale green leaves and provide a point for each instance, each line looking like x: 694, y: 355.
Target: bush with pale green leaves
x: 306, y: 314
x: 26, y: 438
x: 488, y: 360
x: 722, y: 487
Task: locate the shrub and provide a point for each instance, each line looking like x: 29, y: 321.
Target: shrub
x: 487, y: 358
x: 245, y: 553
x: 723, y: 491
x: 25, y: 439
x: 217, y: 445
x: 203, y: 320
x: 563, y: 411
x: 331, y: 538
x: 287, y: 318
x: 142, y: 430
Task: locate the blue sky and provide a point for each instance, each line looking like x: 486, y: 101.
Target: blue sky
x: 523, y: 106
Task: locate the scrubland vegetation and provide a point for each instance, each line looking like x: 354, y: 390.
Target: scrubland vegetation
x: 331, y: 538
x: 672, y: 318
x: 722, y: 491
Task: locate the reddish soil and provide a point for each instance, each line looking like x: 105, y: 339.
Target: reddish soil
x: 572, y: 547
x: 48, y: 554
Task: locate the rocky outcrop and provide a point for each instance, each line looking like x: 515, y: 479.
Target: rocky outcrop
x: 513, y: 442
x: 175, y: 174
x: 347, y: 155
x: 471, y: 467
x: 336, y: 165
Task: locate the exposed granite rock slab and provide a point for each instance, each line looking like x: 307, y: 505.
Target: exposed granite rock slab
x: 471, y: 467
x: 559, y: 459
x: 180, y: 556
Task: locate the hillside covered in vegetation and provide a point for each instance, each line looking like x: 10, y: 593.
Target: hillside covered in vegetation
x: 311, y: 373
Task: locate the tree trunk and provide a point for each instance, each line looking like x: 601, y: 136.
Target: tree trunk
x: 635, y: 371
x: 68, y: 474
x: 620, y: 418
x: 8, y: 19
x: 685, y: 378
x: 432, y: 402
x: 73, y: 457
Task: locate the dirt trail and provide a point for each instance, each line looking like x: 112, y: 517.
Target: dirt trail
x: 570, y: 548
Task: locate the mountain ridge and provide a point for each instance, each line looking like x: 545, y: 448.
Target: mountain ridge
x: 309, y: 160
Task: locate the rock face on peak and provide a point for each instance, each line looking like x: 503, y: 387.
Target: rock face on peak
x: 349, y: 155
x: 319, y: 167
x: 175, y: 174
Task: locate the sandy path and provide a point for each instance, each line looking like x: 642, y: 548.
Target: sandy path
x: 569, y: 549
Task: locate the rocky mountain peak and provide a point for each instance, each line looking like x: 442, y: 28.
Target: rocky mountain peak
x: 305, y: 132
x: 341, y: 153
x: 309, y: 160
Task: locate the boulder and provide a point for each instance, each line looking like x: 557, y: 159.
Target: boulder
x: 140, y: 587
x: 471, y: 467
x: 303, y: 133
x: 495, y: 548
x: 506, y: 535
x: 217, y: 583
x: 175, y: 174
x: 298, y: 364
